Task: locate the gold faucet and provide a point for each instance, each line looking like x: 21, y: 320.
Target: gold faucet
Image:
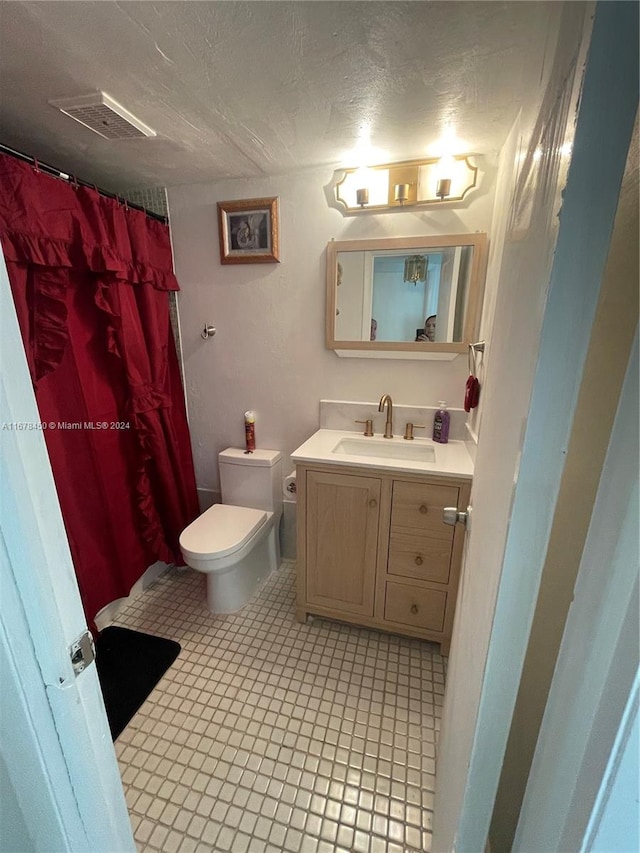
x: 386, y: 400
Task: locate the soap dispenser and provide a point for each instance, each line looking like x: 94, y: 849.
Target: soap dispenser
x: 441, y: 423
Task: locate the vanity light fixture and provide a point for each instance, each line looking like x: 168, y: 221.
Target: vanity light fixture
x: 413, y: 183
x: 401, y: 193
x: 415, y: 268
x: 443, y: 189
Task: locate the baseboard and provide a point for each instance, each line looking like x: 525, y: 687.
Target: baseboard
x: 207, y: 498
x: 110, y: 611
x: 149, y: 577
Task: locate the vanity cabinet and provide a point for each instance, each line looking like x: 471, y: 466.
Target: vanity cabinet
x: 343, y: 514
x: 373, y: 549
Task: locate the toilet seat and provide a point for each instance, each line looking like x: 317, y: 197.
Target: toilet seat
x: 220, y: 531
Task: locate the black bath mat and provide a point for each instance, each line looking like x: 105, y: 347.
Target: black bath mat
x: 130, y: 664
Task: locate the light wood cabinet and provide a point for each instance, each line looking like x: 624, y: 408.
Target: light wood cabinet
x: 373, y: 549
x: 343, y: 512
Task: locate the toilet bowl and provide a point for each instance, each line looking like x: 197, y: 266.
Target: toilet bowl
x: 235, y: 543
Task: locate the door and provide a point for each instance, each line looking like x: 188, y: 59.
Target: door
x: 58, y: 757
x: 343, y: 513
x: 537, y: 350
x: 596, y: 675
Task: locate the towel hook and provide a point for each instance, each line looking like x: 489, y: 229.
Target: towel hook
x: 207, y: 332
x: 473, y: 350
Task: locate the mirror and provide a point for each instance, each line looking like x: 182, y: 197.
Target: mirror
x: 405, y: 297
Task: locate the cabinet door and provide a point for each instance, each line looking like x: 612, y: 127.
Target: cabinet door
x: 341, y: 541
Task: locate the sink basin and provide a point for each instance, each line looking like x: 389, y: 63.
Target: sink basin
x: 349, y: 449
x: 386, y: 449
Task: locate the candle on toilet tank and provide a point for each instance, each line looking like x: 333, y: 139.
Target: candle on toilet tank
x: 250, y: 431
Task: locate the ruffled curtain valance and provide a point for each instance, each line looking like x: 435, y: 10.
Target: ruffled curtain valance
x: 54, y: 227
x: 50, y: 222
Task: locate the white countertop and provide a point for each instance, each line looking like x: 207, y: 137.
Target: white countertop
x: 452, y: 459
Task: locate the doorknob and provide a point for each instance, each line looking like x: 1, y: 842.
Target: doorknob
x: 452, y: 515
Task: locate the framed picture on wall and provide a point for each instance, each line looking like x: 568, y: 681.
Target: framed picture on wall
x: 249, y: 231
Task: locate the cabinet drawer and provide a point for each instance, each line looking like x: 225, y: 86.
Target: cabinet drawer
x: 414, y: 555
x: 418, y: 507
x: 410, y: 605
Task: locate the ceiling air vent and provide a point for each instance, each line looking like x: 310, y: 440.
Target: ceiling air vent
x: 103, y: 115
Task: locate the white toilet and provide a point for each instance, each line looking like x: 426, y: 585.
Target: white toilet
x: 236, y: 543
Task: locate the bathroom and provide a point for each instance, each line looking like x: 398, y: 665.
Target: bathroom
x: 269, y: 354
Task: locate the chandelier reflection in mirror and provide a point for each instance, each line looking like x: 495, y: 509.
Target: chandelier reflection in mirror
x: 415, y: 269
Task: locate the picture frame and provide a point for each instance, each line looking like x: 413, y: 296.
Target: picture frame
x: 248, y: 230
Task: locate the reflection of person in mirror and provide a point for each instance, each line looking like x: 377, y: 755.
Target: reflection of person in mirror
x: 429, y: 332
x: 374, y: 329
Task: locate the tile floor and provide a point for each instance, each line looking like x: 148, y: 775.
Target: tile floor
x: 267, y: 735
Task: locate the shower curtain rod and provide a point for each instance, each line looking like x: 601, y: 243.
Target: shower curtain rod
x: 67, y: 176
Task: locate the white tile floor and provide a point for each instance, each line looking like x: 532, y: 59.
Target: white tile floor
x: 267, y: 735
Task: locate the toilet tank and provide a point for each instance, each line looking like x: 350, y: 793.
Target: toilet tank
x: 251, y: 479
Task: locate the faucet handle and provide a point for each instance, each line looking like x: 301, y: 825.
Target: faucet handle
x: 408, y: 430
x: 368, y: 426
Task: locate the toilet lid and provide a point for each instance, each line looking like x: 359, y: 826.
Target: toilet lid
x: 221, y: 530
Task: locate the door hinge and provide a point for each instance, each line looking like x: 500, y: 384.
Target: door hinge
x: 82, y: 652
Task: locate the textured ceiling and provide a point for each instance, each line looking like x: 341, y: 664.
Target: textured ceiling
x: 252, y: 88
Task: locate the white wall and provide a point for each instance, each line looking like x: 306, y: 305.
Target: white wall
x: 604, y: 370
x: 269, y: 352
x: 529, y: 408
x: 526, y: 239
x: 618, y: 816
x: 350, y: 300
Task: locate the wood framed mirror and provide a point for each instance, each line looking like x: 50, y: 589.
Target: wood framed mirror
x: 405, y: 297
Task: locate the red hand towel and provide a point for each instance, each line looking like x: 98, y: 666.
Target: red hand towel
x: 471, y: 393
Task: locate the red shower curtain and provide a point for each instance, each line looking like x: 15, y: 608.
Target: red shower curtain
x: 90, y: 280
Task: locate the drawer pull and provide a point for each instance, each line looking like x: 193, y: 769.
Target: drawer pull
x: 423, y: 509
x: 373, y: 502
x: 419, y: 560
x: 414, y: 608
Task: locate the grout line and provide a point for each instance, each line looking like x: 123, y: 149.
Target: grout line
x: 268, y: 735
